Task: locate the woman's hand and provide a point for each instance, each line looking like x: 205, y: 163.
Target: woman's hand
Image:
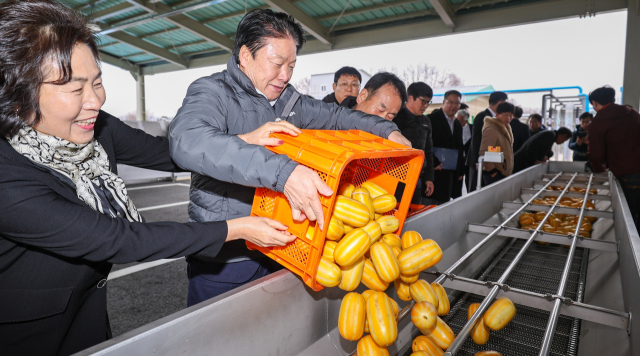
x: 260, y: 136
x: 263, y: 232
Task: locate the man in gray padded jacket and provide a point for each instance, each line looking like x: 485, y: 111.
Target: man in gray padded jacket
x: 220, y: 132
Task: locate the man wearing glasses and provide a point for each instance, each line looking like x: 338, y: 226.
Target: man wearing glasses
x: 448, y: 149
x: 412, y: 122
x: 346, y: 83
x: 495, y: 99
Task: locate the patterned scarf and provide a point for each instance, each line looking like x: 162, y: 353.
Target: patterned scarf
x: 87, y: 165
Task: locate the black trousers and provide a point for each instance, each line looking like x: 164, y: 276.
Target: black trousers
x: 488, y: 179
x: 631, y: 188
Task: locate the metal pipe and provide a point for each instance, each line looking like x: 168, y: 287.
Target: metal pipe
x: 466, y: 330
x: 555, y: 313
x: 516, y: 91
x: 480, y: 162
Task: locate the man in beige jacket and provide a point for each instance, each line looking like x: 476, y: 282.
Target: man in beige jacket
x: 497, y: 133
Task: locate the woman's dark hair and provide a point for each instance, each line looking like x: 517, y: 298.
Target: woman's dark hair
x: 603, y: 96
x: 348, y: 72
x: 35, y: 36
x: 419, y: 89
x: 518, y: 113
x: 505, y: 107
x: 259, y: 24
x: 383, y: 78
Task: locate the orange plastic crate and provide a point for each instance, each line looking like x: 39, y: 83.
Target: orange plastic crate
x: 338, y: 157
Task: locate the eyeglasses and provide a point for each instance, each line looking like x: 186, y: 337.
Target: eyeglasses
x: 453, y: 103
x: 347, y: 85
x: 425, y: 102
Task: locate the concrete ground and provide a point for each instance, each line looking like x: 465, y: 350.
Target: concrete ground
x: 137, y: 297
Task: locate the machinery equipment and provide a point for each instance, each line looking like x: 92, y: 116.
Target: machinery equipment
x: 576, y: 300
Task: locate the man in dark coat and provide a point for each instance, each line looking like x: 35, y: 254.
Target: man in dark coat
x: 537, y: 149
x: 447, y: 133
x: 495, y: 99
x: 383, y: 96
x: 416, y: 127
x: 613, y: 141
x: 580, y: 142
x: 519, y: 129
x: 467, y: 131
x: 346, y: 83
x: 535, y: 124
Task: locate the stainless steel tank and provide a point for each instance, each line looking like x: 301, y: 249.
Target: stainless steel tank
x: 583, y: 307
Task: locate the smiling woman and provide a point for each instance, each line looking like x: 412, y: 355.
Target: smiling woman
x: 65, y: 215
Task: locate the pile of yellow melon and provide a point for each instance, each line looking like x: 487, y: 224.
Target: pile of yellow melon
x: 574, y: 190
x: 362, y: 247
x: 563, y: 224
x: 564, y: 202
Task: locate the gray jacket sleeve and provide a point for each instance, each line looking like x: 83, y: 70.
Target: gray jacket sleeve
x: 322, y: 116
x: 199, y: 142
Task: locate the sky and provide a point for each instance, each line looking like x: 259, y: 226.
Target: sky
x: 586, y: 52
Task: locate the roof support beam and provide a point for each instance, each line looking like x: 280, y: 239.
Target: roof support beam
x: 308, y: 23
x: 118, y: 62
x: 233, y: 14
x: 148, y: 47
x: 444, y: 10
x: 475, y: 21
x: 112, y: 11
x: 361, y: 10
x: 189, y: 24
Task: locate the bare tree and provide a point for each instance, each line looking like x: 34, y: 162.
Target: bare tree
x: 432, y: 75
x: 303, y: 86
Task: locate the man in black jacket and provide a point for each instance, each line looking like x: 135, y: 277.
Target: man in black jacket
x: 447, y: 133
x: 537, y: 149
x: 519, y: 129
x: 416, y: 127
x: 535, y: 124
x: 580, y: 142
x: 495, y: 99
x: 346, y: 83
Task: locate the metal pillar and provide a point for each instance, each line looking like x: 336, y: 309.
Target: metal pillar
x: 631, y: 94
x: 141, y: 114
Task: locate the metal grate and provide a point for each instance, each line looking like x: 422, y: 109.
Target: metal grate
x: 539, y: 271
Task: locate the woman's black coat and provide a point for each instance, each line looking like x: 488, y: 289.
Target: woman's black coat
x: 56, y: 252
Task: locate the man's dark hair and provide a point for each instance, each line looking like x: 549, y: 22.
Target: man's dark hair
x: 419, y: 89
x: 464, y: 106
x: 347, y: 71
x: 586, y: 115
x: 603, y: 96
x: 505, y: 107
x: 536, y: 117
x: 497, y: 96
x: 383, y: 78
x: 35, y: 35
x: 564, y: 131
x: 260, y: 24
x: 455, y: 92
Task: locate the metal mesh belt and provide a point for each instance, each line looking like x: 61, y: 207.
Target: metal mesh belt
x: 539, y: 271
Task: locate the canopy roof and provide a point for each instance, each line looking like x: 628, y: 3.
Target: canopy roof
x: 155, y: 36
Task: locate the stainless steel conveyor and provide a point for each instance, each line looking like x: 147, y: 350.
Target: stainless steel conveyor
x: 576, y: 300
